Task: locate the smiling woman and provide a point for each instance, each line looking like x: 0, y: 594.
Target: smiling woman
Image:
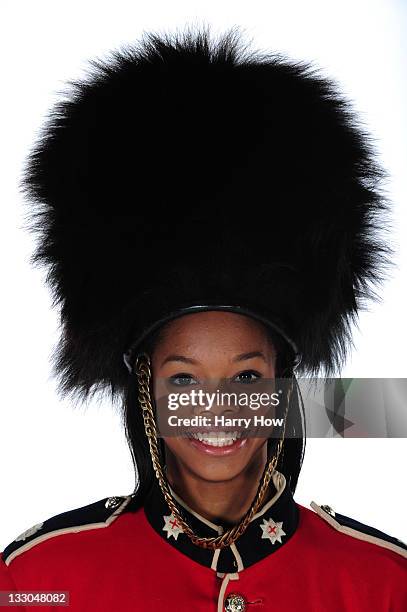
x: 166, y: 153
x: 211, y: 341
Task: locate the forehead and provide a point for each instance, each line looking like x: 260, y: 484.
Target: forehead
x: 218, y: 328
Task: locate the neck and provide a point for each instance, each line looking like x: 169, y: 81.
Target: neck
x: 219, y: 502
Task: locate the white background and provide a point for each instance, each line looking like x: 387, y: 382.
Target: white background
x: 53, y: 457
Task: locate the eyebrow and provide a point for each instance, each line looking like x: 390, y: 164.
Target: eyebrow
x: 251, y: 355
x: 179, y: 358
x: 241, y: 357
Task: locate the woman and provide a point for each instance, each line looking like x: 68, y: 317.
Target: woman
x: 209, y: 217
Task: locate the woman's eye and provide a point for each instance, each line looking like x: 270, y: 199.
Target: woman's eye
x: 182, y: 379
x: 248, y: 376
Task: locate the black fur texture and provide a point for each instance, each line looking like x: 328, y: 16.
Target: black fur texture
x: 188, y: 168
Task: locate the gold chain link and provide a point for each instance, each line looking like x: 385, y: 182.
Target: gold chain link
x: 143, y: 373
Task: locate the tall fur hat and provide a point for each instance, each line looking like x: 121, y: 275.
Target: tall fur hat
x: 190, y: 172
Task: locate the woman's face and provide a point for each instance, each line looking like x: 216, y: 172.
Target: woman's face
x: 213, y: 345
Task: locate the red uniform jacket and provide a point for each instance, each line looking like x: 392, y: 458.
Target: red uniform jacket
x: 118, y: 555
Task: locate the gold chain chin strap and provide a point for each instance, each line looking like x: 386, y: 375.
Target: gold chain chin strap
x: 143, y: 373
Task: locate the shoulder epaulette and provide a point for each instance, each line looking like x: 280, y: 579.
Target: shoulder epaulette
x: 350, y: 526
x: 93, y: 516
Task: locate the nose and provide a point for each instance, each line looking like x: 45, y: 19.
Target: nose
x: 218, y: 400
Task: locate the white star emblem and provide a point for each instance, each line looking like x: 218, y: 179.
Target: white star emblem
x: 29, y: 532
x: 172, y: 527
x: 272, y: 531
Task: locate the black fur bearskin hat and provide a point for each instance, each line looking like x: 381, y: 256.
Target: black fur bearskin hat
x: 188, y: 171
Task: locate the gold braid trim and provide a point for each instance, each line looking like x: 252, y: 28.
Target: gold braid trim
x: 143, y: 373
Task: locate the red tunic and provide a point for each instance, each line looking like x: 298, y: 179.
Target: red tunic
x: 116, y: 555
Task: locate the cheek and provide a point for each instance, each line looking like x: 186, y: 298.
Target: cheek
x: 179, y: 448
x: 173, y: 444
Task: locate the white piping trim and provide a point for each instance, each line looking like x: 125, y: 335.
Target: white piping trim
x: 360, y: 535
x: 77, y: 529
x: 238, y: 558
x: 223, y: 587
x: 217, y: 528
x: 215, y: 559
x: 280, y: 482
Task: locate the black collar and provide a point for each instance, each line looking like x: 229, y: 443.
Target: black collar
x: 270, y: 529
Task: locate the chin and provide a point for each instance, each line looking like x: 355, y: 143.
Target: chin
x: 217, y: 474
x: 213, y: 465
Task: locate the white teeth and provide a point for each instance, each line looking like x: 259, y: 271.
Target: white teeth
x: 217, y: 438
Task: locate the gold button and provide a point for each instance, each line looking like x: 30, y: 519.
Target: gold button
x: 113, y: 502
x: 328, y: 509
x: 235, y: 603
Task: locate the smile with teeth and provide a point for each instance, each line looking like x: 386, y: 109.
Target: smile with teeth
x: 217, y: 438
